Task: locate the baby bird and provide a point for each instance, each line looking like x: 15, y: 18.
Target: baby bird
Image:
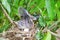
x: 26, y: 21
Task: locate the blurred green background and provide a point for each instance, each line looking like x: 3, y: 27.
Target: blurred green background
x: 47, y: 10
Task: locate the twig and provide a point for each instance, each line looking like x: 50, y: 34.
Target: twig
x: 45, y: 30
x: 54, y: 25
x: 54, y: 34
x: 6, y: 14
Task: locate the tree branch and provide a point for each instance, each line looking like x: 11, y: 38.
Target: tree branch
x: 54, y: 25
x: 45, y: 30
x: 54, y: 34
x: 6, y: 14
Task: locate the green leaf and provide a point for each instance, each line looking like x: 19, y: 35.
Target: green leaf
x: 41, y: 3
x: 41, y: 21
x: 47, y: 36
x: 58, y: 3
x: 21, y: 2
x: 39, y: 35
x: 58, y: 14
x: 1, y: 15
x: 58, y: 10
x: 50, y: 9
x: 53, y: 38
x: 16, y: 3
x: 6, y: 5
x: 5, y: 26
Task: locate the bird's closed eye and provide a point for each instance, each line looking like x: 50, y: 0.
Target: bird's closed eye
x: 21, y: 29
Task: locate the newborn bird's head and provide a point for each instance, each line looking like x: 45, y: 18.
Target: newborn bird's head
x: 24, y: 13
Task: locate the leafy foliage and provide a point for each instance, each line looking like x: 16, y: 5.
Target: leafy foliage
x: 48, y: 11
x: 47, y: 36
x: 50, y: 8
x: 6, y: 5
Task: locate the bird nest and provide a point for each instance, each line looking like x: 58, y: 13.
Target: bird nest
x: 15, y: 33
